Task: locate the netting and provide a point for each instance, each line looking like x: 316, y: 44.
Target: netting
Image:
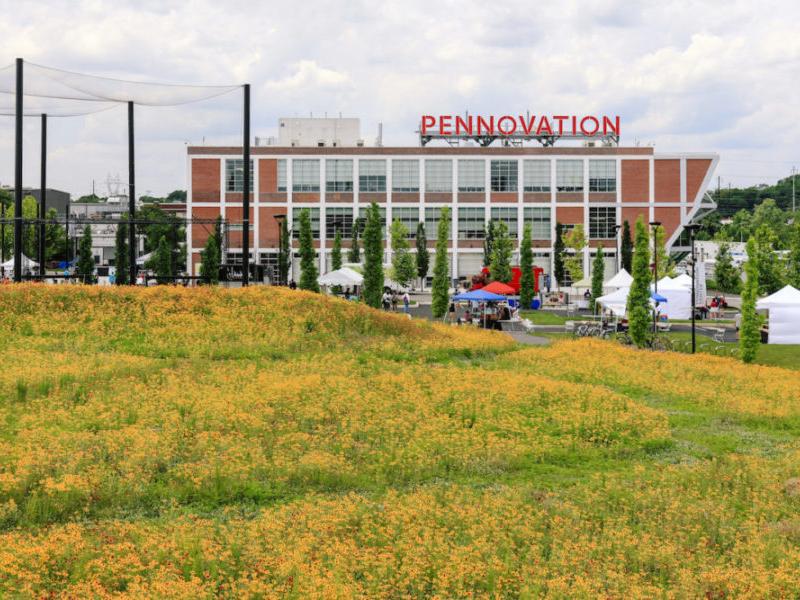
x: 65, y: 93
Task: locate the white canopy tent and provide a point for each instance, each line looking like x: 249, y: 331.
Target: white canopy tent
x: 784, y: 315
x: 616, y: 302
x: 622, y: 279
x: 683, y: 279
x: 344, y: 277
x: 27, y: 263
x: 679, y: 298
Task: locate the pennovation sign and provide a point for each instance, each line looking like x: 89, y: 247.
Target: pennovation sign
x: 520, y: 125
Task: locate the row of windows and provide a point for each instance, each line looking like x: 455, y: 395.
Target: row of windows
x: 471, y: 221
x: 503, y: 175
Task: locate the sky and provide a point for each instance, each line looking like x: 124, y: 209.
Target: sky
x: 682, y: 75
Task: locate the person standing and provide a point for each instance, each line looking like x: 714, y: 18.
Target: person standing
x: 406, y: 302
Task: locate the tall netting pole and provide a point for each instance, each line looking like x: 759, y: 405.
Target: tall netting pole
x: 18, y: 178
x: 246, y: 190
x: 131, y: 200
x: 43, y: 195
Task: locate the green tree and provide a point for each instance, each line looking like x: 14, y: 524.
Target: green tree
x: 526, y: 283
x: 373, y: 257
x: 598, y: 276
x: 354, y: 257
x: 725, y: 274
x: 30, y: 212
x: 209, y: 260
x: 558, y: 256
x: 53, y: 236
x: 161, y: 262
x: 218, y: 236
x: 284, y: 253
x: 441, y: 268
x: 121, y: 255
x: 626, y: 248
x: 336, y: 251
x: 666, y: 267
x: 423, y: 256
x: 85, y: 264
x: 639, y: 295
x: 575, y: 240
x: 502, y: 249
x: 793, y: 257
x: 308, y: 259
x: 768, y: 265
x: 402, y: 261
x: 749, y: 334
x: 488, y: 243
x: 176, y: 196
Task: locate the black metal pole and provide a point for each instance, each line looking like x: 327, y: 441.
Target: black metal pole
x: 66, y: 240
x: 43, y: 195
x: 246, y: 189
x: 131, y: 200
x: 18, y: 178
x: 694, y: 302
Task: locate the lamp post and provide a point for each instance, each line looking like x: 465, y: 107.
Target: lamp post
x: 655, y: 225
x: 692, y: 230
x: 279, y: 219
x: 616, y: 245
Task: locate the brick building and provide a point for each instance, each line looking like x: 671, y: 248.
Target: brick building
x: 599, y: 187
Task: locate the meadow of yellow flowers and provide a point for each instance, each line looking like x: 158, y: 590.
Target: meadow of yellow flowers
x: 197, y: 443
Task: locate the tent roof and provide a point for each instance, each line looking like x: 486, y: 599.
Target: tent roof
x: 498, y: 287
x: 620, y: 280
x: 786, y: 297
x: 26, y: 263
x: 479, y: 296
x: 673, y: 284
x: 684, y: 279
x: 343, y: 276
x: 586, y: 282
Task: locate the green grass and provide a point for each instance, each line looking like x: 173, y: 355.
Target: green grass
x: 544, y: 317
x: 768, y: 354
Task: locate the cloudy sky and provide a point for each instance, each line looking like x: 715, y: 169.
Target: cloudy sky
x: 684, y: 75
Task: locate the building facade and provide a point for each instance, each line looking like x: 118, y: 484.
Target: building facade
x: 597, y: 187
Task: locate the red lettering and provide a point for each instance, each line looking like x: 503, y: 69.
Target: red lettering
x: 462, y: 126
x: 527, y: 125
x: 445, y: 122
x: 574, y: 125
x: 507, y: 119
x: 585, y: 131
x: 487, y: 128
x: 560, y: 119
x: 427, y: 121
x: 544, y: 124
x: 610, y: 126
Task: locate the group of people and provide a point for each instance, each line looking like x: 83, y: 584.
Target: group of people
x: 489, y: 317
x: 390, y: 300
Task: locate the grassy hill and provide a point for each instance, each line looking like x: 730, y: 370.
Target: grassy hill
x: 270, y: 443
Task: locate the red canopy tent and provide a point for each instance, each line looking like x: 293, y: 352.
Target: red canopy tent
x: 497, y: 287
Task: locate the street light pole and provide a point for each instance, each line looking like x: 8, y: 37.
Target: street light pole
x: 692, y: 230
x: 279, y: 219
x: 617, y: 250
x: 655, y: 225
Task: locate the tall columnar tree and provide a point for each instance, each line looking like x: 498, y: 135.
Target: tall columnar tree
x: 423, y: 256
x: 598, y: 275
x: 626, y: 248
x: 793, y: 257
x: 161, y: 262
x: 575, y: 240
x: 402, y: 260
x: 284, y: 253
x: 502, y: 249
x: 218, y: 235
x: 354, y: 255
x: 526, y: 283
x: 373, y: 257
x: 666, y: 267
x: 558, y: 255
x: 121, y: 255
x: 488, y: 243
x: 639, y: 295
x: 725, y: 274
x: 308, y: 258
x: 770, y: 269
x: 210, y: 261
x: 749, y: 334
x: 85, y: 264
x: 336, y: 251
x: 441, y: 268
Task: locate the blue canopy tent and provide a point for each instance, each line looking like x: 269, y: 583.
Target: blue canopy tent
x: 480, y: 296
x: 657, y: 297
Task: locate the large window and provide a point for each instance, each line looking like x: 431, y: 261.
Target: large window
x: 338, y: 218
x: 432, y: 218
x: 362, y: 216
x: 504, y: 175
x: 471, y: 223
x: 409, y: 217
x: 536, y: 175
x: 281, y: 174
x: 305, y: 175
x: 338, y: 175
x: 234, y: 175
x: 539, y: 220
x: 508, y: 216
x: 313, y: 213
x: 602, y: 176
x: 405, y: 175
x: 471, y: 176
x: 438, y: 175
x: 569, y: 175
x: 602, y: 220
x: 372, y: 175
